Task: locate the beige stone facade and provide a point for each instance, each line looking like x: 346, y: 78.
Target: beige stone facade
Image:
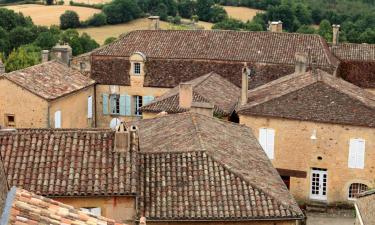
x: 20, y: 108
x: 302, y: 145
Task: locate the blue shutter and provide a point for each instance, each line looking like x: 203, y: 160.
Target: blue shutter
x: 128, y: 111
x: 147, y: 99
x: 105, y: 104
x: 122, y: 105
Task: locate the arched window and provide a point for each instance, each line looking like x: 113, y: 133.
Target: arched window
x: 355, y: 189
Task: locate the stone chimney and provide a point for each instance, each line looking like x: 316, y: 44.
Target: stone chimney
x: 186, y: 95
x: 45, y: 55
x: 276, y: 26
x: 203, y: 108
x: 62, y: 53
x: 245, y: 84
x: 2, y: 67
x: 154, y: 22
x: 122, y: 138
x: 335, y: 36
x: 301, y: 62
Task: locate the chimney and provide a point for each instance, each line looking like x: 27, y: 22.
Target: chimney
x: 2, y: 67
x: 336, y: 31
x: 45, y: 54
x: 301, y: 62
x: 186, y: 95
x: 245, y: 84
x: 276, y: 26
x: 122, y: 138
x: 203, y: 108
x: 154, y: 22
x: 63, y: 53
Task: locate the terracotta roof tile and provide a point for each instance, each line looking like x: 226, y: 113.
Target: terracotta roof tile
x: 352, y: 51
x: 24, y: 207
x: 211, y: 88
x: 49, y: 80
x: 313, y: 96
x: 266, y: 47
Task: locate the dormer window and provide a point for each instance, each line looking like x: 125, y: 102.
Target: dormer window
x: 137, y: 68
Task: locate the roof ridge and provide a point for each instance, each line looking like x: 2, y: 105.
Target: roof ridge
x: 197, y: 130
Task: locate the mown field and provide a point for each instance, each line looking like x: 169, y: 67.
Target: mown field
x: 241, y: 13
x: 50, y: 15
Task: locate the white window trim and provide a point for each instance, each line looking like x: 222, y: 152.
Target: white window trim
x: 89, y: 107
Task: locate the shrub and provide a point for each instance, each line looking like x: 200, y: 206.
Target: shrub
x: 119, y: 11
x: 69, y: 19
x: 109, y: 40
x: 94, y: 6
x: 176, y: 20
x: 98, y: 19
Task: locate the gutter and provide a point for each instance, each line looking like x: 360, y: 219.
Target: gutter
x: 226, y: 220
x: 358, y: 214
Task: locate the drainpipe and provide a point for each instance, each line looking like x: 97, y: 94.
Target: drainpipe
x: 48, y: 115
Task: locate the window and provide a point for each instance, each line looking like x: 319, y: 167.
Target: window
x: 58, y: 119
x: 355, y: 189
x: 138, y: 104
x: 137, y: 68
x: 267, y: 140
x: 356, y: 158
x: 89, y: 107
x: 82, y: 66
x: 114, y: 101
x: 10, y: 120
x: 96, y: 211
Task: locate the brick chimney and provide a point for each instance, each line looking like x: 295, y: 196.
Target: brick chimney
x: 203, y: 108
x: 122, y: 139
x: 154, y: 22
x: 2, y: 67
x: 186, y: 95
x: 245, y: 84
x: 62, y: 53
x: 276, y: 26
x: 301, y: 62
x: 45, y: 55
x: 335, y: 36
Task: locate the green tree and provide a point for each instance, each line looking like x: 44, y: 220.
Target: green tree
x: 303, y: 14
x: 162, y: 11
x: 186, y: 8
x: 46, y: 40
x: 98, y: 19
x: 9, y: 19
x: 253, y: 26
x: 119, y: 11
x: 368, y: 36
x: 69, y: 19
x: 24, y: 56
x: 228, y: 24
x: 217, y: 13
x: 20, y: 36
x: 325, y: 30
x: 4, y: 41
x: 109, y: 40
x: 204, y: 9
x: 306, y: 29
x: 283, y: 13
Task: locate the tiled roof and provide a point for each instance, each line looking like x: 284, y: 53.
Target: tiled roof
x: 266, y: 47
x: 210, y: 88
x: 352, y: 51
x: 219, y: 171
x: 366, y: 207
x: 49, y: 80
x: 67, y: 162
x: 313, y: 96
x: 24, y: 207
x: 217, y: 167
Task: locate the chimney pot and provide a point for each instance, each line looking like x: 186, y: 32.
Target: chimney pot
x: 203, y: 108
x: 335, y: 36
x: 185, y: 95
x: 122, y: 138
x: 276, y: 26
x: 63, y: 53
x: 245, y: 84
x: 301, y: 62
x: 45, y: 55
x: 154, y: 22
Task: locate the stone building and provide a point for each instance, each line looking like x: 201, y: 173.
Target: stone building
x: 211, y: 93
x: 318, y: 131
x: 143, y: 65
x: 175, y: 169
x: 46, y: 95
x: 365, y: 208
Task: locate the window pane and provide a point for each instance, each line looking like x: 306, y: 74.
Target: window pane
x: 357, y: 188
x: 137, y: 68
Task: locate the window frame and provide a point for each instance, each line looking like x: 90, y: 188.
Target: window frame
x: 114, y: 109
x: 8, y: 123
x: 351, y: 196
x: 138, y: 103
x: 137, y: 68
x: 356, y: 162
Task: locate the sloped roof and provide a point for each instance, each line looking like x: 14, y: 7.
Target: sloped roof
x: 267, y: 47
x: 313, y: 96
x: 49, y: 80
x: 82, y: 162
x: 211, y: 88
x: 366, y: 207
x: 353, y: 51
x: 24, y: 207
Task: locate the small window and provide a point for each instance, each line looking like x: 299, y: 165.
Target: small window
x: 138, y: 104
x: 137, y: 68
x: 89, y: 107
x: 267, y: 141
x: 114, y: 104
x: 355, y: 189
x: 96, y: 211
x: 58, y: 119
x: 10, y: 120
x: 356, y: 158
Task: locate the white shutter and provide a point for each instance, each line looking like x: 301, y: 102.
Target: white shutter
x: 58, y: 119
x: 356, y: 158
x: 89, y: 107
x: 263, y: 138
x: 270, y: 143
x: 352, y: 150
